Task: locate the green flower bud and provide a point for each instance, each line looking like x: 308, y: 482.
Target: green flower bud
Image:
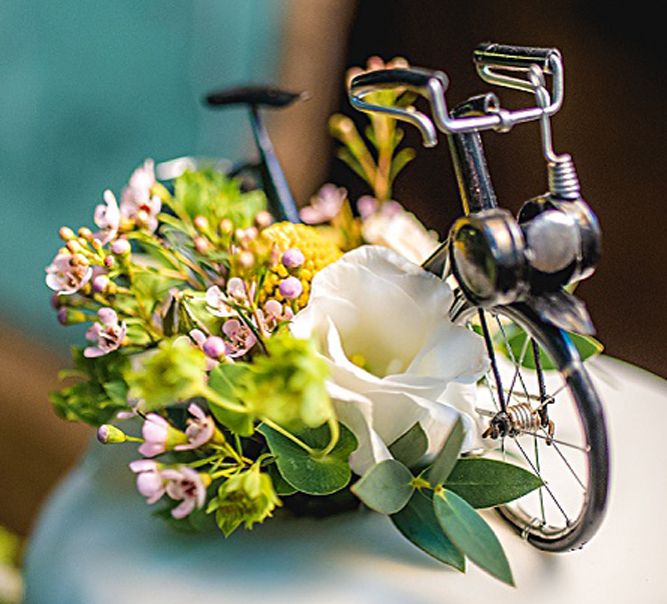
x: 110, y: 435
x: 174, y: 371
x: 246, y: 498
x: 288, y: 385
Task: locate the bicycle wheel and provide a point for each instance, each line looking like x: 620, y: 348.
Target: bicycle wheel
x: 553, y: 426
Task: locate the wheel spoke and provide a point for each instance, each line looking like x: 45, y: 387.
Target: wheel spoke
x: 545, y: 485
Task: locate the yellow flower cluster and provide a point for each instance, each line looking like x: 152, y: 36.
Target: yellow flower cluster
x: 318, y: 250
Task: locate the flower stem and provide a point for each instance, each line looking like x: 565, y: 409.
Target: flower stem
x: 290, y: 436
x: 334, y: 428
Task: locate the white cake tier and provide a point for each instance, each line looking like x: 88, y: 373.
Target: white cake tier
x: 97, y: 542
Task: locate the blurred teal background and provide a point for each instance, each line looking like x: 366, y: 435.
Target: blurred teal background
x: 90, y: 89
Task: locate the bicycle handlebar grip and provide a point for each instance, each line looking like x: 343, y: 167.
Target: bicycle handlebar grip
x: 414, y: 79
x: 514, y: 57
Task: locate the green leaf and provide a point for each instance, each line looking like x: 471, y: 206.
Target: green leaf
x: 345, y: 155
x: 586, y: 346
x: 417, y: 523
x: 401, y: 159
x: 470, y: 533
x: 223, y: 380
x: 446, y: 459
x: 386, y: 487
x: 410, y: 447
x: 197, y: 310
x: 280, y: 485
x: 312, y: 474
x: 485, y: 483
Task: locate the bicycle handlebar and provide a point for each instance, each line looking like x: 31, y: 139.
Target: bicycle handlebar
x: 514, y: 57
x: 433, y: 84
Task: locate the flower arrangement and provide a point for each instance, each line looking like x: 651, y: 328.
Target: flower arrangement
x: 262, y: 365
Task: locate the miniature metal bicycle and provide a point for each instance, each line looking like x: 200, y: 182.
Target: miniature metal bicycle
x: 537, y: 399
x: 537, y: 402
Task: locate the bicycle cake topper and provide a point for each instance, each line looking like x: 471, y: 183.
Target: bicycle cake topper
x: 265, y: 357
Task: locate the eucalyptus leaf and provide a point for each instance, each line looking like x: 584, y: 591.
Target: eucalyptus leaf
x: 586, y: 346
x: 446, y: 459
x: 280, y: 485
x: 485, y: 483
x: 312, y: 474
x: 411, y: 446
x: 470, y: 533
x: 386, y: 487
x: 417, y: 523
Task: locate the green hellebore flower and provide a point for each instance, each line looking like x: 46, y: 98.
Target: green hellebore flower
x: 245, y: 498
x: 174, y: 371
x: 288, y: 385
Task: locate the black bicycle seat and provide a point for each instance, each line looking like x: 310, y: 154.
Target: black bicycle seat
x: 254, y: 95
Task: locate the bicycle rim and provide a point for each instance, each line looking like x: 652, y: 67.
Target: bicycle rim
x: 573, y: 462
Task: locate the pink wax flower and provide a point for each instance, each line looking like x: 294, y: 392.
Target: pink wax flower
x: 136, y: 202
x: 216, y: 302
x: 293, y: 258
x: 236, y: 289
x: 273, y: 314
x: 200, y: 338
x: 121, y: 247
x: 68, y: 273
x: 149, y: 479
x: 187, y: 486
x: 107, y: 334
x: 240, y: 338
x: 200, y: 430
x: 291, y: 288
x: 214, y: 347
x: 107, y: 218
x: 325, y: 205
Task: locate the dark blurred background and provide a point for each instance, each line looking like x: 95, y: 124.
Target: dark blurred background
x: 89, y: 90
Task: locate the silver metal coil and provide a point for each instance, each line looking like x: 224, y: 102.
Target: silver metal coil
x: 563, y: 180
x: 524, y: 418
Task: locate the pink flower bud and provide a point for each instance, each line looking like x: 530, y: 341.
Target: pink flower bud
x: 121, y: 247
x: 62, y: 316
x: 110, y: 435
x: 291, y: 288
x: 214, y: 347
x: 246, y: 259
x: 201, y: 223
x: 109, y: 261
x: 263, y: 219
x: 226, y: 225
x: 202, y: 245
x: 100, y: 283
x: 65, y: 233
x: 293, y: 258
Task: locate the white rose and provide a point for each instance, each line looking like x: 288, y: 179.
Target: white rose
x: 390, y: 316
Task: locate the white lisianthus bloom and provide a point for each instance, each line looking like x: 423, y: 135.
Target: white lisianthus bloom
x: 395, y: 358
x: 394, y: 227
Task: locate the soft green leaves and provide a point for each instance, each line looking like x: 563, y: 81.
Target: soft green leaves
x: 470, y: 533
x: 446, y: 459
x: 312, y: 473
x: 99, y: 392
x: 386, y: 487
x: 486, y: 483
x: 418, y: 523
x: 223, y: 379
x: 410, y: 447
